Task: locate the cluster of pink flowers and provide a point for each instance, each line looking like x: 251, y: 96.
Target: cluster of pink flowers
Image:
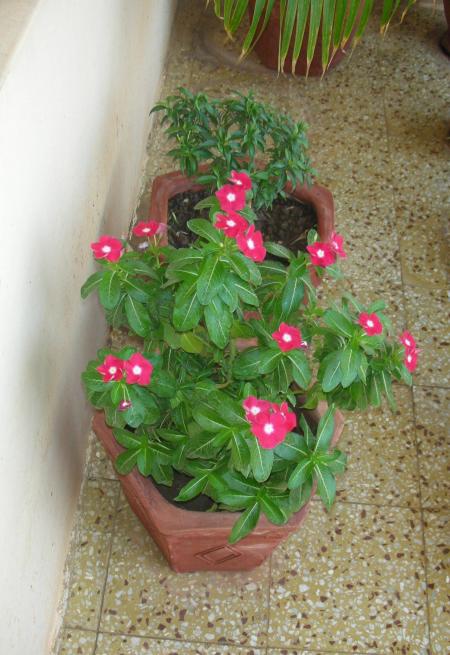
x: 112, y: 249
x: 136, y: 370
x: 288, y: 337
x: 325, y: 254
x: 269, y: 422
x: 232, y: 198
x: 411, y: 352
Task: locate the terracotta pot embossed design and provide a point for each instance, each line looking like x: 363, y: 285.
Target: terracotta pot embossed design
x: 198, y: 541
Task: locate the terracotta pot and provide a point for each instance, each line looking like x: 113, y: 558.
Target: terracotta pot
x: 267, y: 47
x: 198, y: 541
x: 445, y: 39
x: 171, y: 184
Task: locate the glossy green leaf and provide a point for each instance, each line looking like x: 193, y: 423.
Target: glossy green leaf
x: 326, y: 484
x: 91, y: 283
x: 261, y: 460
x: 109, y: 289
x: 245, y: 523
x: 137, y: 316
x: 205, y: 230
x: 300, y: 368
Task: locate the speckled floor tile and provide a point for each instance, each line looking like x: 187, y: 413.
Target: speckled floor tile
x: 88, y: 565
x: 76, y: 642
x: 98, y: 505
x: 437, y: 540
x: 284, y: 651
x: 99, y: 464
x: 382, y: 457
x: 427, y: 312
x: 144, y: 597
x: 121, y: 645
x: 352, y: 579
x: 433, y: 439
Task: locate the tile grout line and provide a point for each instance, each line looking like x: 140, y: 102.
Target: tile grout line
x: 413, y: 405
x: 269, y: 590
x: 113, y: 532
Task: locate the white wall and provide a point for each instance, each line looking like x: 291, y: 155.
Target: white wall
x: 74, y: 108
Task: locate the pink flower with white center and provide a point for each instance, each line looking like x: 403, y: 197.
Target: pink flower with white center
x: 231, y: 224
x: 411, y: 360
x: 288, y: 337
x: 242, y: 180
x: 148, y: 228
x: 370, y: 323
x: 270, y: 429
x: 289, y: 417
x: 251, y: 244
x: 111, y: 369
x: 138, y: 370
x: 231, y: 197
x: 108, y: 248
x: 322, y: 254
x: 253, y: 407
x: 124, y: 405
x: 337, y: 243
x: 408, y: 340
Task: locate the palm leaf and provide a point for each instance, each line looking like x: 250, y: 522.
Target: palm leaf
x: 288, y: 11
x: 250, y: 39
x: 314, y: 24
x: 302, y: 15
x: 350, y: 22
x: 329, y: 7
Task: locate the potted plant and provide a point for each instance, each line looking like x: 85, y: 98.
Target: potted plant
x: 307, y: 36
x: 212, y: 137
x: 230, y: 404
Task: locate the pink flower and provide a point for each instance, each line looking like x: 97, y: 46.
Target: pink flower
x: 337, y: 243
x: 148, y: 228
x: 108, y: 248
x: 288, y: 337
x: 411, y: 360
x: 138, y: 370
x: 124, y: 405
x: 270, y: 429
x: 322, y: 254
x: 251, y: 244
x: 253, y: 407
x: 231, y: 197
x: 289, y: 417
x: 408, y: 340
x: 370, y: 323
x: 231, y: 224
x: 241, y: 179
x: 111, y: 369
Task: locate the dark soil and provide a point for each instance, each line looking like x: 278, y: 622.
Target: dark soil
x: 287, y: 222
x: 201, y: 503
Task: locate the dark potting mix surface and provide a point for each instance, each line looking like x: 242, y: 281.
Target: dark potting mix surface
x: 287, y: 222
x: 201, y: 503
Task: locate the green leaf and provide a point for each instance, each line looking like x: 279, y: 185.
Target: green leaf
x: 191, y: 343
x: 137, y: 289
x: 235, y: 499
x: 292, y: 295
x: 336, y: 461
x: 245, y: 523
x: 350, y: 360
x: 278, y: 250
x: 300, y: 368
x: 246, y: 364
x: 126, y: 461
x: 301, y: 473
x: 293, y: 448
x: 210, y: 280
x: 126, y: 438
x: 314, y: 24
x: 261, y: 460
x: 209, y: 419
x: 325, y: 431
x: 137, y: 316
x: 339, y: 323
x: 193, y: 488
x: 240, y: 452
x: 109, y: 289
x: 271, y: 509
x: 145, y: 460
x: 326, y: 484
x: 269, y: 359
x: 332, y: 376
x: 375, y: 387
x: 91, y: 283
x: 386, y: 385
x: 187, y: 310
x: 245, y: 293
x: 218, y: 321
x: 245, y: 268
x: 205, y: 230
x: 163, y: 384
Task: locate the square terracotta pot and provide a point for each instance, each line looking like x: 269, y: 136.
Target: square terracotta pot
x: 198, y: 541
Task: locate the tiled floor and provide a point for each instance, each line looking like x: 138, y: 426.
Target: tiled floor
x: 370, y: 576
